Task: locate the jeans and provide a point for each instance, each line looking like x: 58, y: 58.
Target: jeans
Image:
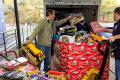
x: 117, y: 69
x: 47, y: 52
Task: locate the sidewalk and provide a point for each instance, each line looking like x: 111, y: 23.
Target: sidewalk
x: 112, y: 69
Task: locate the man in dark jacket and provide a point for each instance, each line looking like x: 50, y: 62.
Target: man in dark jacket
x: 83, y: 26
x: 115, y: 39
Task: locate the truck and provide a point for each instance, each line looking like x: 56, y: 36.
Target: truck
x: 89, y: 8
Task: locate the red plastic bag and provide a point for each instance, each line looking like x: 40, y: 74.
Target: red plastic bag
x: 77, y: 60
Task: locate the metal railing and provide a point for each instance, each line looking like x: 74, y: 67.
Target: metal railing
x: 26, y: 32
x: 8, y: 39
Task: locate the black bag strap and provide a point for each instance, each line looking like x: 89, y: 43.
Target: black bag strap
x: 105, y: 57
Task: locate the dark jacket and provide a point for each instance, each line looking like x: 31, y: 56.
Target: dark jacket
x: 116, y: 44
x: 84, y: 27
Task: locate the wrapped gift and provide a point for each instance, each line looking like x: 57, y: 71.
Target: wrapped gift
x: 97, y: 28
